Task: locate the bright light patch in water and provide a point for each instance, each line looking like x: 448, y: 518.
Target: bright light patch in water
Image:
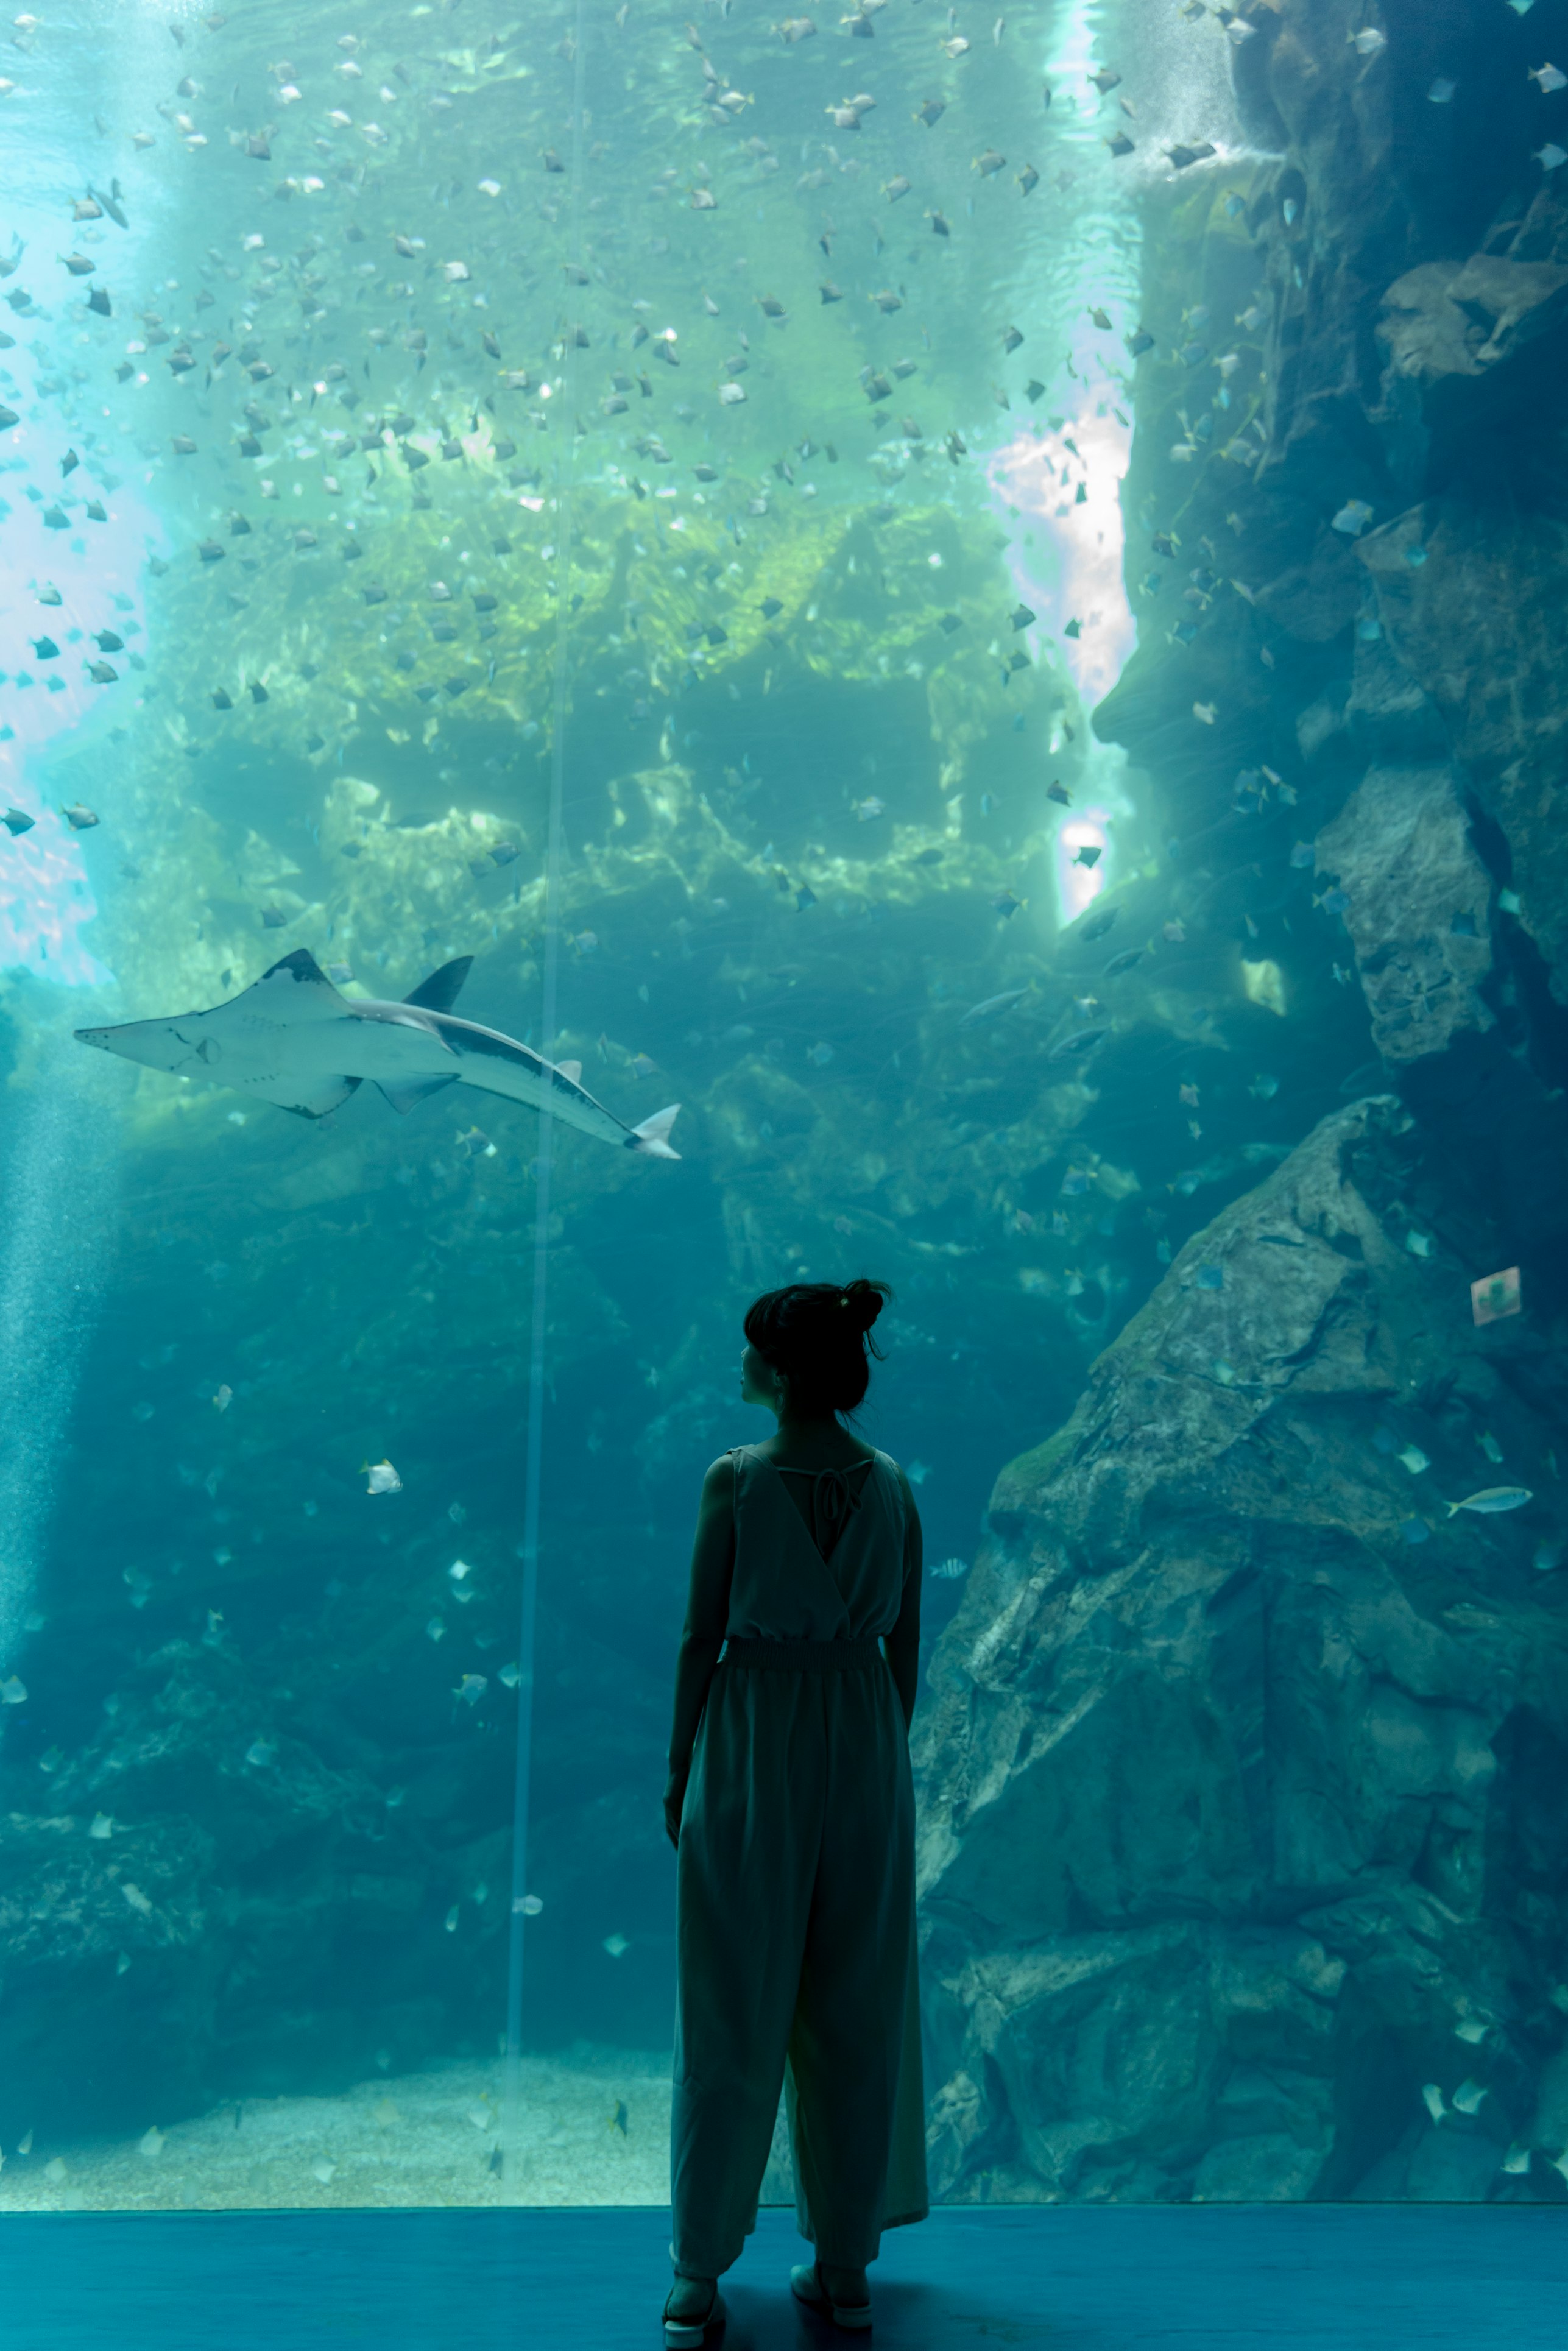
x: 57, y: 728
x: 1072, y: 572
x: 1066, y: 555
x: 1077, y: 885
x: 45, y: 900
x: 46, y: 897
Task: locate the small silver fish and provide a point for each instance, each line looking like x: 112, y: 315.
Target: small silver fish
x: 951, y: 1569
x: 992, y: 1005
x: 1493, y: 1499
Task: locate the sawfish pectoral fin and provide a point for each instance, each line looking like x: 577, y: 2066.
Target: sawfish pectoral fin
x: 404, y: 1098
x: 293, y: 988
x: 653, y: 1135
x: 330, y: 1099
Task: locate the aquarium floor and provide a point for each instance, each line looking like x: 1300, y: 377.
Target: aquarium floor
x: 1095, y: 2278
x: 593, y: 2128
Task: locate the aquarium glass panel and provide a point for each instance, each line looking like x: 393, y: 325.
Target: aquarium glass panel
x: 647, y: 655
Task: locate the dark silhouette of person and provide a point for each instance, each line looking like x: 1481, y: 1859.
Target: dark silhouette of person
x: 791, y: 1808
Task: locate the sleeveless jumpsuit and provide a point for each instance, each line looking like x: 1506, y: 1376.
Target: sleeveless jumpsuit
x: 795, y: 1888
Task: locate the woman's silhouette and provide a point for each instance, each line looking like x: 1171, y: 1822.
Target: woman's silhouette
x: 791, y: 1808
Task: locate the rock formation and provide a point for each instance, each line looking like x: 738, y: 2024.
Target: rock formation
x: 1242, y: 1853
x: 1350, y: 456
x: 1418, y: 912
x: 1242, y: 1857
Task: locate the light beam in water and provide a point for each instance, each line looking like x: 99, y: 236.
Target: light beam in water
x: 57, y: 1190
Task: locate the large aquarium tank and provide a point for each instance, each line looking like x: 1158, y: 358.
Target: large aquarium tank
x: 972, y: 600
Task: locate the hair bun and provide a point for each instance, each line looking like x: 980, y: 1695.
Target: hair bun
x: 864, y: 1300
x: 818, y: 1335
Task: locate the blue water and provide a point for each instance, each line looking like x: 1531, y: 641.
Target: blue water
x: 538, y: 488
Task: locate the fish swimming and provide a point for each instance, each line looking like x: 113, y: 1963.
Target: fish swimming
x: 293, y: 1040
x: 112, y: 205
x: 992, y: 1005
x: 1492, y: 1500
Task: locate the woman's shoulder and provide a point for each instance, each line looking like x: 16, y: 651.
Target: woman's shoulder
x: 719, y: 1478
x: 895, y: 1470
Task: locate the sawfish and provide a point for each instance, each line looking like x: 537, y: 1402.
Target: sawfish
x: 293, y: 1040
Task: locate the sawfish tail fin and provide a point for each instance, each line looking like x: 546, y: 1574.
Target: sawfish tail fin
x: 653, y: 1135
x: 439, y: 992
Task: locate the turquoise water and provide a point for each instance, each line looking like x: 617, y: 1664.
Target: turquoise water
x: 511, y: 581
x: 653, y: 508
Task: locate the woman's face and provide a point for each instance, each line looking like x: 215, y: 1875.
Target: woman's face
x: 759, y: 1382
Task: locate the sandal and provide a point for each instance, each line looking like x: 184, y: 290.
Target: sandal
x: 687, y: 2333
x: 807, y: 2286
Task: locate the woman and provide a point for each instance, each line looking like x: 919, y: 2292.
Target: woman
x: 791, y: 1809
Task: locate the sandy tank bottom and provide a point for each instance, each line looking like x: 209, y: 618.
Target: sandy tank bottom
x: 593, y: 2127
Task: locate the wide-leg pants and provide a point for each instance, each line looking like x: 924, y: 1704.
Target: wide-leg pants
x: 796, y: 1942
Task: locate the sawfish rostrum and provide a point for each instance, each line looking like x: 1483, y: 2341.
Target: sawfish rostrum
x: 293, y: 1040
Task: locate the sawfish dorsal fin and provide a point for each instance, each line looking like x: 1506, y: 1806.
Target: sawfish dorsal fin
x: 439, y: 992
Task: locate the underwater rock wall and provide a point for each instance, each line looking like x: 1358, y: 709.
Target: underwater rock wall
x: 1242, y: 1863
x: 1241, y: 1856
x: 1346, y: 446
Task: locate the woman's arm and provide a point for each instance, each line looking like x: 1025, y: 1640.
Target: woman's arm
x: 701, y: 1637
x: 903, y: 1643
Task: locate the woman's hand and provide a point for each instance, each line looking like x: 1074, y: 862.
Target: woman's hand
x: 675, y: 1799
